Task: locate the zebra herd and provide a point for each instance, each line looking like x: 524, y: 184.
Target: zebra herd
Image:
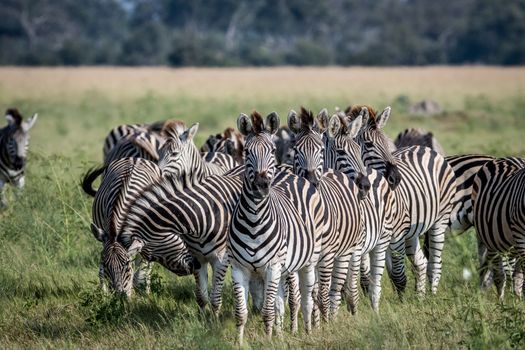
x: 304, y: 213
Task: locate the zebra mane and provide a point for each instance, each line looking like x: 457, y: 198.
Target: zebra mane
x: 173, y: 128
x: 307, y: 119
x: 13, y: 112
x: 353, y: 112
x: 257, y: 123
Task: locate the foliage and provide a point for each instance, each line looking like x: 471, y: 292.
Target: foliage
x: 261, y: 32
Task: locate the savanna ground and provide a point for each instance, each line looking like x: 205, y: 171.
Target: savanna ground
x: 49, y: 259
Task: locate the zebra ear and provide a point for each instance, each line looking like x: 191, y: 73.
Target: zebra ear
x: 382, y: 118
x: 365, y: 114
x: 99, y: 234
x: 354, y: 126
x: 294, y: 122
x: 29, y: 123
x: 272, y: 122
x: 244, y: 124
x: 334, y: 125
x: 135, y: 247
x: 10, y: 119
x: 321, y: 123
x: 189, y: 133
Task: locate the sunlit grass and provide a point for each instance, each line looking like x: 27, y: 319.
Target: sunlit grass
x: 49, y: 260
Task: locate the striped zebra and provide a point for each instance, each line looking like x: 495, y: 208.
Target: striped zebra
x: 498, y: 198
x: 14, y: 141
x: 180, y: 158
x: 229, y: 142
x: 124, y: 181
x: 275, y: 230
x: 418, y: 137
x: 284, y: 142
x: 382, y: 209
x: 428, y: 187
x: 121, y: 131
x: 343, y: 234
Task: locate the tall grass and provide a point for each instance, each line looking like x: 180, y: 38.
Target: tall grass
x: 48, y: 266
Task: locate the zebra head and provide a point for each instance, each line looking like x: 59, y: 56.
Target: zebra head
x: 177, y: 152
x: 259, y: 150
x: 308, y: 161
x: 344, y: 152
x: 376, y: 147
x: 17, y: 139
x: 117, y: 260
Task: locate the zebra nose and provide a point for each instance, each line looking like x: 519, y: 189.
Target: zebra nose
x: 18, y: 162
x: 311, y: 177
x: 363, y: 184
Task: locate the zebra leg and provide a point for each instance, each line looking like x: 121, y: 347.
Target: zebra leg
x: 272, y: 281
x: 294, y: 298
x: 257, y: 293
x: 324, y: 270
x: 142, y: 277
x: 279, y: 308
x: 517, y: 278
x: 102, y: 278
x: 19, y: 187
x: 306, y: 284
x: 365, y: 273
x: 377, y: 260
x: 419, y: 263
x: 241, y: 283
x: 352, y: 281
x: 395, y: 262
x: 219, y: 272
x: 436, y: 237
x: 201, y: 292
x: 486, y: 277
x: 496, y: 263
x: 339, y: 276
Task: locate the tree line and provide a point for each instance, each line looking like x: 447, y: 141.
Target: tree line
x: 261, y: 32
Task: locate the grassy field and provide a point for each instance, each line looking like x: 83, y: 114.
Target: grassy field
x: 49, y: 260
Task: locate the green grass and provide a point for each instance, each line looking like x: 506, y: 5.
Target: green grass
x: 49, y: 260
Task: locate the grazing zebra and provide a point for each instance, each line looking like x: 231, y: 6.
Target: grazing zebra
x: 229, y: 142
x: 119, y: 132
x: 382, y: 210
x: 428, y: 187
x: 14, y: 140
x: 275, y: 230
x: 498, y: 198
x: 343, y: 234
x: 418, y: 137
x: 124, y: 181
x: 180, y: 158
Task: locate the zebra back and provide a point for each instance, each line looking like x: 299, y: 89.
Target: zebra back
x: 418, y: 137
x: 499, y: 205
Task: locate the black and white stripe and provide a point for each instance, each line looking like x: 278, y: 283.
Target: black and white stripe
x: 275, y: 230
x: 427, y: 185
x: 14, y: 140
x: 343, y: 234
x: 124, y: 181
x: 498, y: 198
x: 418, y: 137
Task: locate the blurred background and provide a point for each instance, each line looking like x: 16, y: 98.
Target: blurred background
x: 261, y: 32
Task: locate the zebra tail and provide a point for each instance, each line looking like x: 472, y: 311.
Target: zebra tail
x: 89, y: 178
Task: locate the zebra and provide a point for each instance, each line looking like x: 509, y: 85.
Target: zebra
x: 14, y: 141
x: 180, y: 158
x: 498, y: 197
x: 125, y: 179
x: 121, y: 131
x: 142, y: 145
x: 275, y: 230
x: 428, y: 187
x: 284, y: 141
x: 229, y: 142
x: 343, y: 235
x: 415, y: 137
x: 382, y: 210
